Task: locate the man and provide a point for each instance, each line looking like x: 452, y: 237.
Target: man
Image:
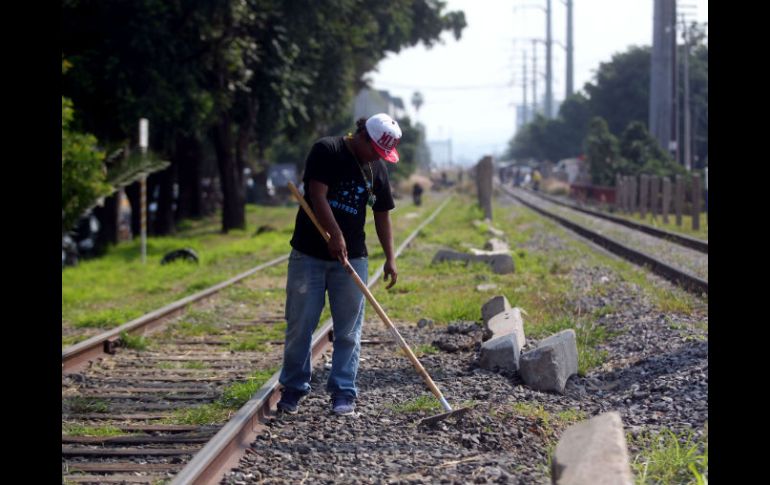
x: 417, y: 194
x: 342, y: 176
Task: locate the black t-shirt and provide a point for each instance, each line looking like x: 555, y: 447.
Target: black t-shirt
x: 331, y: 163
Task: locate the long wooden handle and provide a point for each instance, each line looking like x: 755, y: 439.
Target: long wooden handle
x: 349, y: 269
x: 308, y: 211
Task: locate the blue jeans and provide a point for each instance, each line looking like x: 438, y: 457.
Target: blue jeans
x: 308, y: 280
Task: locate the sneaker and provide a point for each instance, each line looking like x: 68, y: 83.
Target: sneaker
x: 290, y: 399
x: 343, y: 405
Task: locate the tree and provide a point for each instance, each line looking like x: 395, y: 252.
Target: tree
x: 602, y: 153
x: 698, y: 92
x: 528, y: 141
x: 618, y: 93
x: 243, y: 73
x: 142, y: 59
x: 83, y: 179
x: 642, y: 154
x: 621, y: 90
x: 408, y: 147
x: 576, y: 115
x: 553, y: 139
x: 84, y: 176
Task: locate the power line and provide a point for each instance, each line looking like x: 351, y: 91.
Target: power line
x: 445, y: 88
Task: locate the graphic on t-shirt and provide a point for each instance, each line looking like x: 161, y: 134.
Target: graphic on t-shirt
x: 347, y: 196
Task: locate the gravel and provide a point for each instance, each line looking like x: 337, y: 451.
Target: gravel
x: 655, y: 375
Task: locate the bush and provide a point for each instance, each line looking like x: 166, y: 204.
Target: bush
x: 82, y: 172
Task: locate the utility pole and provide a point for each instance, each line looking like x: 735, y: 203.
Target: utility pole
x: 662, y: 120
x: 675, y: 144
x: 570, y: 49
x: 686, y: 109
x: 144, y: 128
x: 549, y: 73
x: 417, y: 102
x: 687, y: 139
x: 524, y: 88
x: 534, y: 78
x: 548, y: 65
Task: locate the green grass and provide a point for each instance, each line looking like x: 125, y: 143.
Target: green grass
x: 72, y: 340
x: 192, y: 364
x: 666, y: 299
x: 115, y: 288
x: 685, y: 229
x: 420, y: 350
x: 546, y: 418
x: 108, y: 318
x: 549, y: 425
x: 668, y: 457
x: 244, y: 294
x: 110, y: 290
x: 588, y: 334
x: 201, y: 415
x: 237, y: 394
x: 136, y: 342
x: 233, y: 397
x: 196, y: 323
x: 425, y: 349
x: 603, y: 311
x: 80, y: 430
x: 420, y: 403
x: 445, y: 292
x: 256, y: 340
x: 83, y: 405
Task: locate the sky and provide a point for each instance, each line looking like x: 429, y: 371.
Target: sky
x: 471, y: 87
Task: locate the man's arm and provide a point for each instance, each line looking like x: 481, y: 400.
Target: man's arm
x: 385, y: 235
x: 322, y: 210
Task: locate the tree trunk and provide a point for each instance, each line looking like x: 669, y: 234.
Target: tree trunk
x: 260, y: 186
x: 233, y: 189
x: 108, y: 221
x: 188, y: 160
x: 153, y: 181
x: 133, y: 194
x: 164, y: 217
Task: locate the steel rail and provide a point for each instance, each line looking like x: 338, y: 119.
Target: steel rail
x: 687, y: 241
x: 686, y: 280
x: 76, y: 356
x: 223, y: 451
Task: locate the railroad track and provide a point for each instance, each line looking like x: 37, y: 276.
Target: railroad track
x: 686, y: 241
x: 139, y: 400
x: 77, y: 356
x: 506, y: 437
x: 657, y: 265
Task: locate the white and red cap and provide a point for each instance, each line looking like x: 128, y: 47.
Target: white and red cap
x: 385, y: 134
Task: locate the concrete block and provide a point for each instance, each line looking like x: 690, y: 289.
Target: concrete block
x: 592, y: 453
x: 493, y: 306
x: 507, y: 322
x: 548, y: 367
x: 500, y: 353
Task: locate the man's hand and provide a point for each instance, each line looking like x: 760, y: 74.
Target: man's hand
x: 390, y: 272
x: 336, y: 243
x: 337, y: 247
